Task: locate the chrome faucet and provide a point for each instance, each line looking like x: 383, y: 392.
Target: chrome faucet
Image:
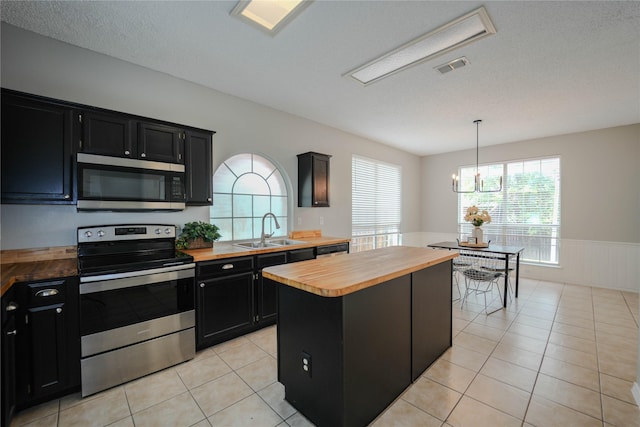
x: 264, y: 236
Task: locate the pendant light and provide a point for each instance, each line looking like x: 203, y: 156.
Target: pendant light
x: 478, y: 186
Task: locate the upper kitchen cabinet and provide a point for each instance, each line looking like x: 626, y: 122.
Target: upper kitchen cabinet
x: 313, y: 180
x: 37, y: 141
x: 114, y: 134
x: 198, y: 146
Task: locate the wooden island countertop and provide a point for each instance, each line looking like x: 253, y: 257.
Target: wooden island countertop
x: 344, y: 274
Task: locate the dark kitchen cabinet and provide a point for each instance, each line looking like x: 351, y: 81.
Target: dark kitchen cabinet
x: 198, y: 160
x: 267, y: 290
x: 224, y: 302
x: 107, y: 134
x: 160, y: 143
x: 313, y: 180
x: 48, y: 341
x: 9, y: 307
x: 37, y: 141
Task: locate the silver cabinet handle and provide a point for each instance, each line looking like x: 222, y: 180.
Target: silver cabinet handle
x: 58, y: 310
x: 227, y: 266
x: 202, y: 285
x: 14, y: 332
x: 126, y: 152
x: 47, y: 293
x: 143, y: 155
x: 67, y: 196
x: 209, y: 199
x: 11, y: 306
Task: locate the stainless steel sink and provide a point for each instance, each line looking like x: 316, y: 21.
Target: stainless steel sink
x: 268, y: 244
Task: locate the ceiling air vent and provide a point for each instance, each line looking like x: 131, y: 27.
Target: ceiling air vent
x: 452, y: 65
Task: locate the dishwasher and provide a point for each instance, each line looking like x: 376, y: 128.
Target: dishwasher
x: 332, y: 250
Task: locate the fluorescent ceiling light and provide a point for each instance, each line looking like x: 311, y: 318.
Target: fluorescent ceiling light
x: 269, y: 15
x: 462, y: 31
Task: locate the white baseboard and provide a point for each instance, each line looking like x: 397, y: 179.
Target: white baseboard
x: 635, y: 390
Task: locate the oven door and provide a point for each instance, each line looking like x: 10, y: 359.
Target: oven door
x: 120, y: 184
x: 135, y: 306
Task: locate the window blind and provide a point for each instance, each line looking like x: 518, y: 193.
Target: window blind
x: 527, y: 210
x: 376, y: 204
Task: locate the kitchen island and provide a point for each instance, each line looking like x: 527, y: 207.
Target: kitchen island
x: 356, y: 330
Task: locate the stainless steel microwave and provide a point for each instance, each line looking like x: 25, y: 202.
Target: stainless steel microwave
x: 121, y: 184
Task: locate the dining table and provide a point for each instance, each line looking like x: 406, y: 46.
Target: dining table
x: 502, y: 251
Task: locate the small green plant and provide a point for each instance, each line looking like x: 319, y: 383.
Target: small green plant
x: 197, y: 230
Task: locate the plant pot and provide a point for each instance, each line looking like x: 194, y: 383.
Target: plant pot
x: 199, y: 243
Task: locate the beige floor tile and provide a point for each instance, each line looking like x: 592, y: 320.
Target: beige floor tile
x: 587, y: 333
x: 450, y: 375
x: 567, y: 394
x: 251, y: 411
x: 518, y: 356
x: 46, y: 421
x: 231, y: 344
x: 475, y: 343
x: 617, y: 388
x: 402, y: 414
x: 125, y: 422
x: 44, y: 410
x: 153, y: 389
x: 464, y: 357
x: 266, y: 339
x: 218, y: 394
x: 569, y: 355
x: 179, y: 411
x: 525, y: 343
x: 273, y: 395
x: 580, y: 344
x: 498, y: 395
x: 200, y: 371
x: 484, y: 331
x: 509, y: 373
x: 570, y: 319
x: 101, y: 411
x: 431, y: 397
x: 571, y: 373
x: 260, y: 374
x: 532, y: 312
x: 620, y: 413
x: 298, y: 420
x: 471, y: 413
x: 624, y: 369
x: 242, y: 355
x: 605, y: 329
x: 617, y: 343
x: 529, y: 331
x: 543, y: 412
x: 534, y: 321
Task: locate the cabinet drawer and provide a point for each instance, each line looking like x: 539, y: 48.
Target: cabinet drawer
x: 223, y: 267
x: 46, y: 293
x: 302, y: 254
x: 271, y: 259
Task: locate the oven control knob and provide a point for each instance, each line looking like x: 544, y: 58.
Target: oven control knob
x: 100, y: 233
x: 158, y: 231
x: 167, y: 231
x: 88, y: 234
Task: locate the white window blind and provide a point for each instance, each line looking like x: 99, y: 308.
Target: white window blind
x: 376, y: 205
x: 527, y: 210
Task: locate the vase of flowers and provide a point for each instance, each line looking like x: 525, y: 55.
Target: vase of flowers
x: 477, y: 218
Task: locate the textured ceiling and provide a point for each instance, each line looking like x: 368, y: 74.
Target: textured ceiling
x: 552, y: 68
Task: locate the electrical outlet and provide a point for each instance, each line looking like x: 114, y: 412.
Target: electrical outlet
x: 321, y: 220
x: 306, y: 363
x: 299, y: 220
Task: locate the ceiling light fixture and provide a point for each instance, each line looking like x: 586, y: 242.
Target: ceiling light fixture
x: 460, y: 32
x: 269, y: 15
x: 478, y: 185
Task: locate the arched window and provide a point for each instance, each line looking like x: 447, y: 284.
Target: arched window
x: 245, y: 187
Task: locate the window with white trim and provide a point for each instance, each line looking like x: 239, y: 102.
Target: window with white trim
x: 376, y: 208
x: 245, y: 187
x: 525, y: 213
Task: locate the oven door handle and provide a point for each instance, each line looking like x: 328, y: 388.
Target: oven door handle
x: 165, y: 269
x: 149, y: 278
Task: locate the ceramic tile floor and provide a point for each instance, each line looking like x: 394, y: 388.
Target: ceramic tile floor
x: 560, y: 355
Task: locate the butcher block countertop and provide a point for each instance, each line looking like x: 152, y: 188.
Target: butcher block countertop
x: 344, y: 274
x: 223, y: 250
x: 25, y: 265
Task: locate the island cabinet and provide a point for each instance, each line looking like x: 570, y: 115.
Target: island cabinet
x: 355, y: 331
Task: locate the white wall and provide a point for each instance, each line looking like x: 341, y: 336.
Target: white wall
x: 39, y: 65
x: 600, y: 201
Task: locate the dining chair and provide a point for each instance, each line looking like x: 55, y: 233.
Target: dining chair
x: 480, y: 279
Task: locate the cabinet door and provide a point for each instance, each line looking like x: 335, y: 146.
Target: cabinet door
x: 320, y: 181
x: 36, y: 151
x: 8, y: 357
x: 224, y: 307
x: 107, y: 134
x: 48, y: 345
x: 313, y: 180
x: 267, y: 296
x: 198, y: 168
x: 160, y: 143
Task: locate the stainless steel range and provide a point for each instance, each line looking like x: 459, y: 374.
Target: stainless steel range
x: 137, y: 303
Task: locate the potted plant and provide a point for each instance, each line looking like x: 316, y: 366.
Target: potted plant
x: 198, y: 234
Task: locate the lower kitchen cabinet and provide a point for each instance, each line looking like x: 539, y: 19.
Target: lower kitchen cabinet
x: 47, y: 340
x: 9, y: 306
x: 266, y: 301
